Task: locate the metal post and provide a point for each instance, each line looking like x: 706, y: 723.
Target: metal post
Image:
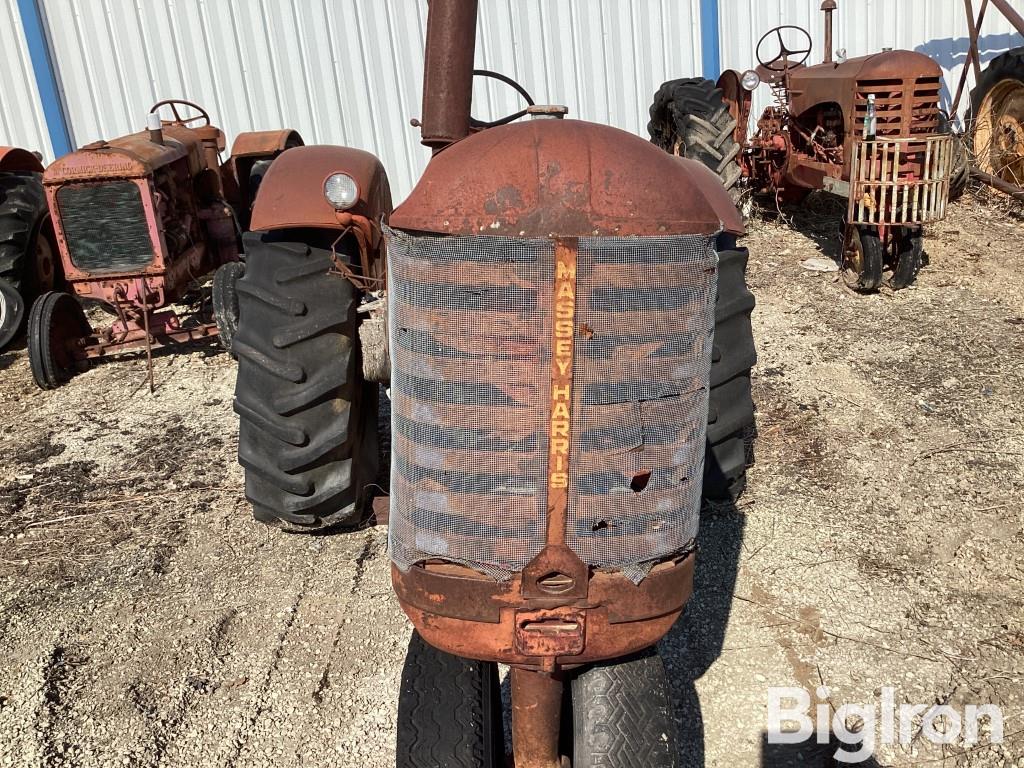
x: 710, y: 51
x: 536, y: 716
x: 46, y: 76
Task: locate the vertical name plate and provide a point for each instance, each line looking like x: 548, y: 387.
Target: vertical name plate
x: 562, y: 343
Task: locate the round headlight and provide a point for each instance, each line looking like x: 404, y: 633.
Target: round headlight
x: 341, y: 191
x: 750, y: 80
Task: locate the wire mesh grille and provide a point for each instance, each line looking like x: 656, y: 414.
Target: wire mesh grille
x: 471, y: 332
x: 640, y: 398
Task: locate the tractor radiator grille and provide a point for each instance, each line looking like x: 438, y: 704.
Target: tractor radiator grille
x: 105, y: 226
x: 471, y: 342
x: 907, y: 107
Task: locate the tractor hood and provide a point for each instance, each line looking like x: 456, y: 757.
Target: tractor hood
x: 565, y: 178
x: 129, y: 157
x: 888, y: 65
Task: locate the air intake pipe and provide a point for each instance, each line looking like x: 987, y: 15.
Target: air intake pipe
x: 448, y: 71
x: 828, y: 6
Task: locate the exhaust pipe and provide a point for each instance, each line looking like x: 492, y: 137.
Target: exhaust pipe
x: 448, y: 72
x: 828, y: 6
x: 156, y: 128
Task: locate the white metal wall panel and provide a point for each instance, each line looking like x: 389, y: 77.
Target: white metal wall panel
x: 22, y: 123
x: 350, y: 71
x: 937, y: 28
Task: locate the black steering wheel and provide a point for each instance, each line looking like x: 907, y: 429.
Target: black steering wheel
x: 785, y: 53
x: 508, y: 81
x: 178, y: 120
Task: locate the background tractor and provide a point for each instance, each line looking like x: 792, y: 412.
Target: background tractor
x: 137, y: 220
x: 28, y: 265
x: 867, y: 129
x: 552, y: 323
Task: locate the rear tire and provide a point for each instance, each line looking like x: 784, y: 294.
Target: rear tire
x: 55, y: 323
x: 731, y: 405
x: 308, y: 420
x: 997, y: 117
x: 689, y: 118
x: 23, y: 216
x: 449, y: 711
x: 622, y: 715
x: 225, y: 301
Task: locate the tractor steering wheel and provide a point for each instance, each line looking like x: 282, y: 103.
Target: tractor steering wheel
x: 178, y: 120
x: 508, y: 81
x: 785, y: 52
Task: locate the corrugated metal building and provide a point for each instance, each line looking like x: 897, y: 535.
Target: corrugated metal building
x: 349, y: 71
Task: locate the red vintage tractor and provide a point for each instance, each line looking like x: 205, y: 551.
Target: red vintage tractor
x: 138, y: 220
x: 28, y: 265
x: 551, y: 343
x: 867, y: 129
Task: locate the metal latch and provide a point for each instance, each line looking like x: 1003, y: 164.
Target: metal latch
x: 550, y: 632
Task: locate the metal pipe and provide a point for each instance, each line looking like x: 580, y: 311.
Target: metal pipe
x: 1011, y: 14
x: 828, y: 6
x: 536, y: 716
x: 448, y: 71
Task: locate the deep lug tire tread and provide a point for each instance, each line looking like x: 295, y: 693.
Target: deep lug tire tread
x: 225, y: 300
x: 22, y: 211
x: 306, y: 416
x: 692, y: 110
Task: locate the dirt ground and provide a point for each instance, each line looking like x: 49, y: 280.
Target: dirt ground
x: 146, y: 620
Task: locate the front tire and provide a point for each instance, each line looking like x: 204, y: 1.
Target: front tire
x: 908, y: 248
x: 55, y: 323
x: 863, y: 259
x: 449, y: 711
x: 308, y: 420
x: 622, y: 715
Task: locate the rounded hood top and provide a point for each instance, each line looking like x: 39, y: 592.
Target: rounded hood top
x: 564, y: 178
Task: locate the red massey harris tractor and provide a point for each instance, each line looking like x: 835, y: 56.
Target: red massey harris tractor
x: 137, y: 220
x: 28, y: 265
x: 551, y: 340
x: 867, y: 129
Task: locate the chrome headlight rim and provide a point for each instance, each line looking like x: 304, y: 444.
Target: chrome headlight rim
x: 341, y: 190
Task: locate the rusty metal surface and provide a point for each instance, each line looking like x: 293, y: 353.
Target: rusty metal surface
x: 564, y: 178
x: 256, y: 143
x: 448, y: 71
x: 129, y: 157
x: 292, y: 192
x: 536, y: 718
x: 900, y: 181
x: 16, y: 160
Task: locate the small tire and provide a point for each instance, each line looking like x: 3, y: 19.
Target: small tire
x: 12, y: 312
x: 622, y: 715
x: 909, y: 257
x: 863, y: 260
x: 225, y: 301
x: 55, y: 322
x: 689, y: 118
x: 449, y: 711
x: 308, y: 421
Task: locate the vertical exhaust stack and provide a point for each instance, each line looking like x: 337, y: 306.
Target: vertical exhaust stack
x: 448, y: 71
x: 155, y: 127
x: 828, y: 6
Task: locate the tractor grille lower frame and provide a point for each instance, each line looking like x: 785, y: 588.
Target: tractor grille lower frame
x: 471, y: 329
x: 900, y: 181
x: 105, y: 227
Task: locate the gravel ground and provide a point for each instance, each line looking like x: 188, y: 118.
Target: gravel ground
x: 147, y: 621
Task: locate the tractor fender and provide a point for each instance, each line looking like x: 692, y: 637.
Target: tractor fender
x: 739, y: 101
x: 292, y: 193
x: 15, y: 160
x: 265, y: 143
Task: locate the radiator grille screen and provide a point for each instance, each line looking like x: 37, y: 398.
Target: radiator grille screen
x: 105, y: 226
x: 471, y: 336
